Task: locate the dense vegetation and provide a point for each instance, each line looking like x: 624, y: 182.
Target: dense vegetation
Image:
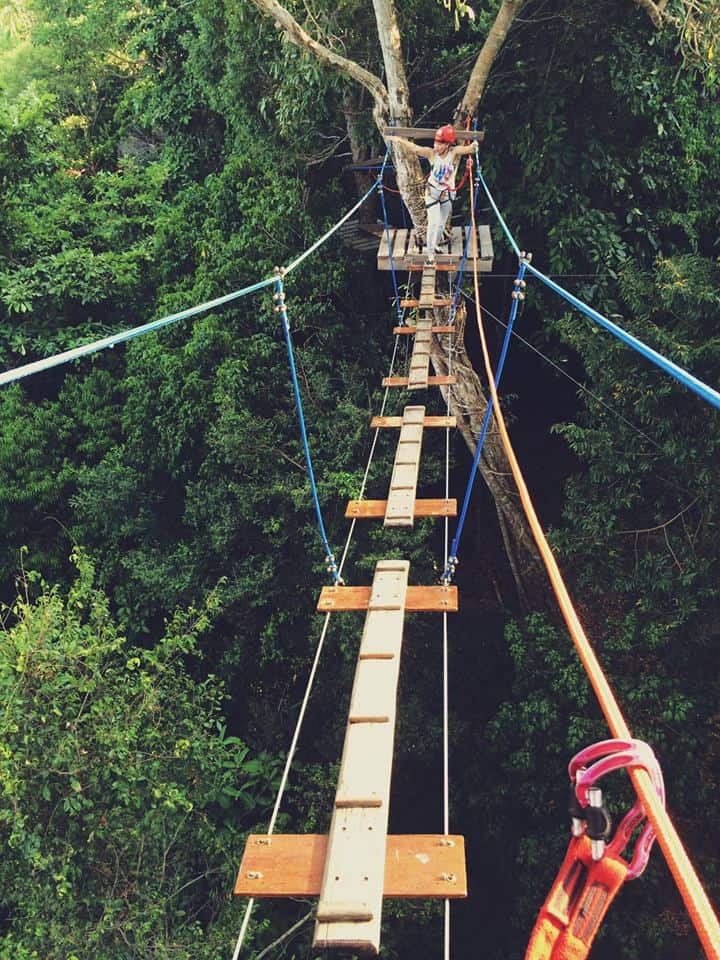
x: 161, y: 562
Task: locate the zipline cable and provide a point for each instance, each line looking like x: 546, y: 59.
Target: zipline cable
x: 694, y: 896
x: 707, y: 393
x: 578, y: 384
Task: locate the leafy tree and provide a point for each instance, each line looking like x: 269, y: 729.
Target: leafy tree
x: 118, y: 776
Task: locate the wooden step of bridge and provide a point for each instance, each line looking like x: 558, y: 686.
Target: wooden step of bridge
x: 375, y: 509
x: 436, y: 599
x: 291, y: 865
x: 433, y: 381
x: 400, y: 508
x: 411, y: 331
x: 437, y: 303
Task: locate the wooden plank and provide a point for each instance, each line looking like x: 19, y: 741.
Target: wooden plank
x: 375, y: 509
x: 377, y: 422
x: 436, y: 599
x: 400, y: 508
x: 413, y: 266
x: 457, y: 242
x: 383, y: 248
x: 442, y: 381
x: 419, y: 368
x: 351, y: 893
x: 399, y: 244
x: 291, y: 865
x: 411, y: 331
x: 486, y: 244
x: 437, y: 303
x: 428, y: 133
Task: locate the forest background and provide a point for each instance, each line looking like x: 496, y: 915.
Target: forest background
x: 161, y: 563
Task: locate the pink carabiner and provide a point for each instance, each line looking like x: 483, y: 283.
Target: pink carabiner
x: 614, y: 755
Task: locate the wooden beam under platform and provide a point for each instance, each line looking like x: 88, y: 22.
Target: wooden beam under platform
x: 411, y: 331
x: 407, y: 251
x: 291, y: 865
x: 438, y: 381
x: 417, y: 600
x: 435, y: 305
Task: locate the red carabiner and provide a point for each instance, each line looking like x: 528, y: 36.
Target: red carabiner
x: 613, y: 755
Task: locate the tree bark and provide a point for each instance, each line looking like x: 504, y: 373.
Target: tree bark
x: 654, y: 10
x: 469, y: 405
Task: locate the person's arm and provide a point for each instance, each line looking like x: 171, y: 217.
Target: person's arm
x: 412, y: 147
x: 463, y: 151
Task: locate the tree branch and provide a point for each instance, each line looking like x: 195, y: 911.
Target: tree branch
x: 301, y: 38
x: 509, y: 9
x: 653, y: 10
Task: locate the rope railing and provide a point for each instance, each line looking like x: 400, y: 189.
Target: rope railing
x: 67, y: 356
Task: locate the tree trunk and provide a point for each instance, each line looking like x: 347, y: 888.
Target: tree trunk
x: 359, y: 149
x: 469, y: 405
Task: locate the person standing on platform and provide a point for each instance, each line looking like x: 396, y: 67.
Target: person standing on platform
x: 440, y: 187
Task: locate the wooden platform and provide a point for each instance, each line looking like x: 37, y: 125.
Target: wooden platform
x: 435, y: 305
x: 408, y: 254
x: 291, y: 865
x: 417, y: 599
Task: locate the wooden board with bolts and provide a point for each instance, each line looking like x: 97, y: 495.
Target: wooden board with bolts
x: 291, y: 865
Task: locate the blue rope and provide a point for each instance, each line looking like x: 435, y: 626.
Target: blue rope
x: 39, y: 365
x: 381, y: 191
x: 502, y: 223
x: 281, y: 309
x: 461, y: 271
x: 687, y: 379
x: 452, y: 559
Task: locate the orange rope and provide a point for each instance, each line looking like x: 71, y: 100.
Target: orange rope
x: 696, y: 901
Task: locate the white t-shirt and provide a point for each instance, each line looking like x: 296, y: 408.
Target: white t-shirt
x: 442, y: 174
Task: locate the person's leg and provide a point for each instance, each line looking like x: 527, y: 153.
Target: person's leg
x: 434, y: 229
x: 445, y: 209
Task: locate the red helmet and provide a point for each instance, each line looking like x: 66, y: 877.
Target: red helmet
x: 445, y: 134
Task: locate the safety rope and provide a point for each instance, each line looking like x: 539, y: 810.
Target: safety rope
x: 281, y: 309
x: 313, y: 671
x: 381, y: 191
x: 452, y: 557
x: 28, y: 369
x: 687, y: 379
x: 694, y: 896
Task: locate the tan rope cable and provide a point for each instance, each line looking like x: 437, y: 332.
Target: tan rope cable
x: 694, y: 896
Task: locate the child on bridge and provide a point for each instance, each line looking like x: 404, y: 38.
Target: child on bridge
x: 440, y: 187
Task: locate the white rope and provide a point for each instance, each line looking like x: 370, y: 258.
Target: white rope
x: 330, y: 232
x: 446, y: 697
x: 311, y: 678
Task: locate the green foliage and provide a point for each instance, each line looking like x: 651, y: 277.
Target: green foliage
x: 117, y: 775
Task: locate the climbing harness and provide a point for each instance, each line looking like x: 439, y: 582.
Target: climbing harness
x: 593, y: 870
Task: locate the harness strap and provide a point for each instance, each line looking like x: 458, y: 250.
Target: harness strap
x: 576, y: 905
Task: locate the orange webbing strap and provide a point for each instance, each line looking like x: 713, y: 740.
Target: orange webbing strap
x: 696, y: 900
x: 576, y: 905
